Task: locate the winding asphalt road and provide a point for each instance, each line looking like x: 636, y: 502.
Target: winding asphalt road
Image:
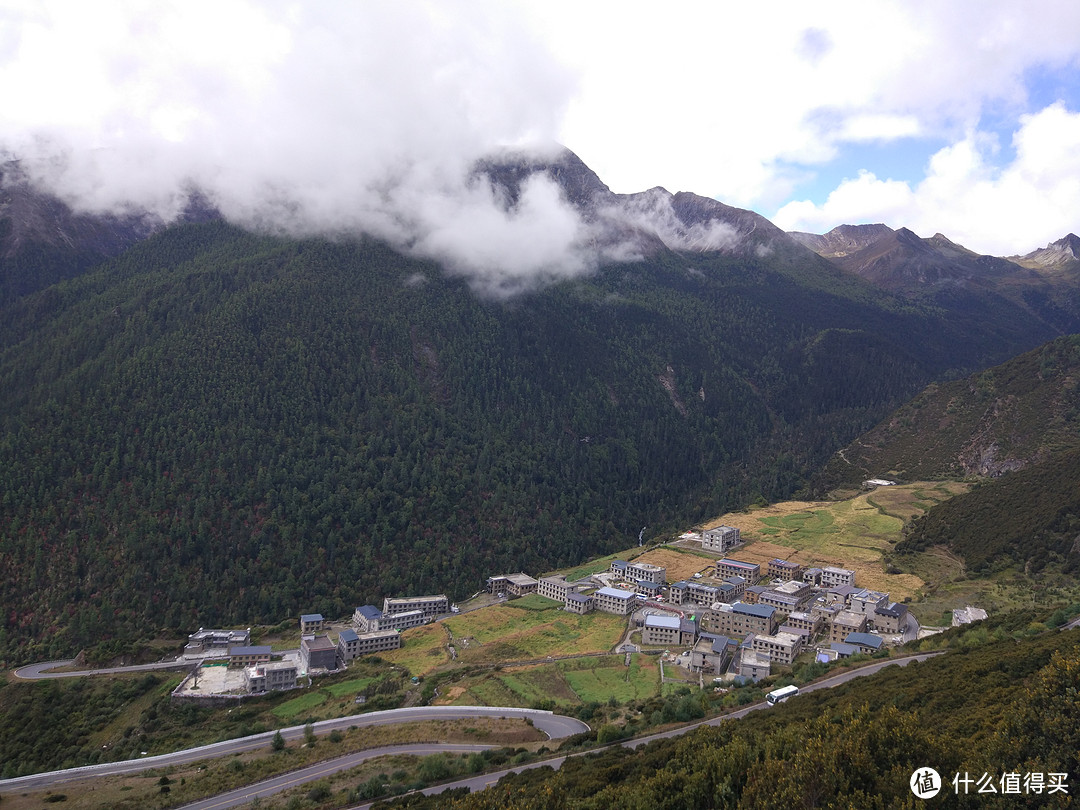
x: 38, y: 672
x: 486, y: 780
x: 554, y: 725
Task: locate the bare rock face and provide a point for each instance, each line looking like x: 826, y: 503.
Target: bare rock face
x: 1062, y: 254
x: 644, y: 222
x: 900, y: 260
x: 843, y: 240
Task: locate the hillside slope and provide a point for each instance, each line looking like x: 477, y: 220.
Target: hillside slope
x: 1005, y: 418
x: 222, y: 428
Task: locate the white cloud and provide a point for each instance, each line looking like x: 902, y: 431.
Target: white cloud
x: 306, y: 118
x: 338, y: 116
x: 1032, y: 200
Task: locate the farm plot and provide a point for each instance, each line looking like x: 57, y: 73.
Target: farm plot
x: 679, y: 564
x: 506, y: 633
x: 568, y: 682
x: 422, y: 649
x: 853, y: 534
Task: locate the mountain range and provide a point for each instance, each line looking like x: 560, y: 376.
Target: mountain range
x: 203, y: 425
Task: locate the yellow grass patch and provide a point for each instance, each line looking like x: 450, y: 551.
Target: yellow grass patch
x: 678, y: 565
x: 853, y: 534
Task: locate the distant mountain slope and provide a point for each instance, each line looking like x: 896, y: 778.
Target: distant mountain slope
x: 899, y: 260
x: 1005, y: 418
x: 1062, y: 255
x: 221, y: 427
x: 217, y: 427
x: 1031, y: 517
x: 43, y: 241
x: 936, y: 270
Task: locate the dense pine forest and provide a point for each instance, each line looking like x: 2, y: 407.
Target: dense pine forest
x: 220, y: 428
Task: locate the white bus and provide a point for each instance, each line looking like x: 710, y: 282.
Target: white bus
x: 781, y: 694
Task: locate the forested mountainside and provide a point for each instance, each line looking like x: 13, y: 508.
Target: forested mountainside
x: 1002, y: 708
x: 1001, y: 419
x: 1031, y: 517
x: 217, y: 428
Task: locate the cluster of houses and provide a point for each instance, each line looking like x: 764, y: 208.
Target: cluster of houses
x: 373, y: 631
x: 737, y: 620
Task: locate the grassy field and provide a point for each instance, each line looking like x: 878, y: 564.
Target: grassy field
x: 423, y: 649
x: 855, y: 533
x: 509, y: 633
x: 352, y: 687
x: 679, y: 564
x: 300, y: 705
x: 598, y: 565
x: 601, y: 679
x: 568, y: 683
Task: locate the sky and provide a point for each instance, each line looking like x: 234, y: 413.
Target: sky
x: 952, y: 116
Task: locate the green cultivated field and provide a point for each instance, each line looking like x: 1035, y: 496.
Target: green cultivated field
x: 306, y: 702
x: 422, y: 649
x: 509, y: 633
x: 567, y: 683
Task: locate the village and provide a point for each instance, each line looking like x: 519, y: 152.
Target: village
x: 729, y: 621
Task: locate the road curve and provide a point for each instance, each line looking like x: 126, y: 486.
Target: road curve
x: 268, y: 787
x: 554, y: 725
x: 485, y: 780
x: 37, y: 672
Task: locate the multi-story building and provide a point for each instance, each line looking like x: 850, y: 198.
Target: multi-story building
x: 639, y: 572
x: 554, y: 588
x: 317, y: 652
x: 825, y: 612
x: 244, y: 656
x: 784, y: 603
x: 721, y: 539
x: 579, y: 602
x: 369, y: 619
x: 867, y: 601
x: 712, y: 653
x: 738, y: 587
x: 614, y: 600
x: 751, y: 572
x: 844, y: 623
x: 784, y: 570
x: 889, y: 618
x: 347, y: 646
x: 831, y: 577
x: 787, y: 596
x: 690, y: 592
x: 270, y: 677
x: 812, y: 576
x: 739, y: 619
x: 311, y: 623
x: 806, y: 622
x: 752, y: 593
x: 841, y: 594
x: 753, y: 665
x: 432, y: 606
x: 865, y: 642
x: 216, y: 640
x: 782, y: 648
x: 352, y: 644
x: 668, y: 631
x: 512, y: 584
x: 378, y: 641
